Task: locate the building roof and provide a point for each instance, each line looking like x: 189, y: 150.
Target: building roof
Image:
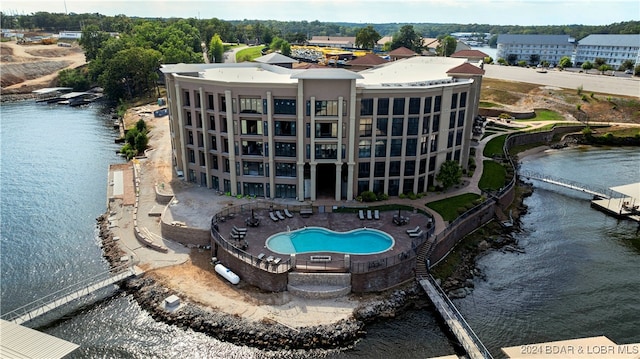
x: 368, y: 60
x: 469, y: 54
x: 307, y: 65
x: 467, y: 69
x: 188, y: 68
x: 332, y: 40
x: 430, y: 42
x: 411, y: 72
x: 511, y: 39
x: 632, y: 40
x: 17, y: 341
x: 402, y: 51
x: 383, y: 40
x: 275, y: 58
x: 326, y: 74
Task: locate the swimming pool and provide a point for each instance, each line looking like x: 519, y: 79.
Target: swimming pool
x: 318, y: 239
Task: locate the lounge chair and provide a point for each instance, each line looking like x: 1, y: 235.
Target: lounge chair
x: 369, y: 215
x: 376, y: 214
x: 273, y: 217
x: 236, y: 236
x: 279, y: 215
x: 238, y: 233
x: 415, y: 234
x: 415, y: 230
x: 287, y: 213
x: 361, y: 214
x: 239, y: 229
x: 261, y: 256
x: 277, y: 260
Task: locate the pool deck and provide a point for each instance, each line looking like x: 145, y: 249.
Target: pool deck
x: 339, y: 222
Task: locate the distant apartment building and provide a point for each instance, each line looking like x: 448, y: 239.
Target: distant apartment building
x: 342, y: 42
x: 550, y: 48
x: 613, y: 49
x: 262, y: 130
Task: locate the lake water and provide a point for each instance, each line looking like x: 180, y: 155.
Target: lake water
x: 578, y: 277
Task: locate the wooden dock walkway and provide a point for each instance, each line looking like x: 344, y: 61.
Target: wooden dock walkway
x: 454, y: 320
x: 53, y: 301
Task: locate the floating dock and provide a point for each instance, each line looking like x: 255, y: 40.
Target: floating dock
x: 625, y: 207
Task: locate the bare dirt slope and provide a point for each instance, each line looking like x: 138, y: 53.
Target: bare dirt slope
x: 29, y: 67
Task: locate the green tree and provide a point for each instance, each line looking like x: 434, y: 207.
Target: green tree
x: 626, y: 65
x: 130, y: 73
x: 534, y: 59
x: 216, y: 48
x: 92, y: 40
x: 408, y: 38
x: 450, y: 174
x: 367, y: 37
x: 586, y: 66
x: 599, y: 61
x: 565, y: 62
x: 447, y: 46
x: 74, y: 78
x: 280, y: 44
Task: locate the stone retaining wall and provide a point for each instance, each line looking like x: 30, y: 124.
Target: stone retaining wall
x: 274, y: 282
x: 384, y: 278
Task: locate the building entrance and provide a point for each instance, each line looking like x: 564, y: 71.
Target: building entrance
x: 326, y: 180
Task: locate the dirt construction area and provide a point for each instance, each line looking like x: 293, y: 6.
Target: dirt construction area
x: 29, y: 67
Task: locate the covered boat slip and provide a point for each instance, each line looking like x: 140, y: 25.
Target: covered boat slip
x: 626, y: 207
x: 65, y: 96
x: 17, y: 341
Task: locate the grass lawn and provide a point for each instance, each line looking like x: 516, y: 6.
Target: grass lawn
x: 448, y: 207
x: 249, y: 54
x: 545, y: 115
x: 493, y: 175
x: 494, y: 147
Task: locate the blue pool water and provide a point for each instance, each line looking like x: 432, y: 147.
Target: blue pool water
x: 317, y: 239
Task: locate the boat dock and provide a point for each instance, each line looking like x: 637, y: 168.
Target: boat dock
x: 65, y: 96
x: 627, y: 206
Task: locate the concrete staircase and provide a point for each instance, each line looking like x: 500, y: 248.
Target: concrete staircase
x: 319, y: 285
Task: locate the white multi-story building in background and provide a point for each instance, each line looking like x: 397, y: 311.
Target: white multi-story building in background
x: 550, y: 48
x: 263, y: 130
x: 613, y: 49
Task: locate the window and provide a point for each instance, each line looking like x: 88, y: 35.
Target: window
x: 423, y: 145
x: 326, y: 151
x: 187, y: 99
x: 285, y: 149
x: 459, y: 137
x: 434, y: 143
x: 425, y: 125
x: 251, y: 127
x: 192, y: 156
x: 383, y: 106
x: 452, y: 119
x: 196, y: 95
x: 366, y: 107
x: 432, y: 163
x: 212, y: 122
x: 437, y: 104
x: 364, y: 170
x: 253, y: 148
x: 436, y: 123
x: 427, y: 105
x: 381, y: 126
x: 250, y: 105
x: 286, y: 191
x: 396, y: 147
x: 398, y: 106
x: 394, y: 168
x: 252, y: 168
x: 450, y: 139
x: 412, y: 126
x: 327, y: 108
x: 225, y: 145
x: 210, y: 101
x: 407, y: 185
x: 412, y: 144
x: 409, y: 168
x: 379, y: 169
x: 223, y: 103
x: 394, y: 187
x: 378, y: 186
x: 364, y: 149
x: 460, y: 118
x: 214, y: 162
x: 284, y: 106
x: 423, y: 165
x: 285, y: 128
x: 253, y: 189
x: 397, y: 126
x: 326, y: 130
x: 215, y: 183
x: 414, y: 105
x: 381, y: 148
x: 454, y: 101
x: 463, y: 99
x: 190, y: 137
x: 285, y: 169
x: 365, y: 127
x: 363, y: 186
x: 188, y: 115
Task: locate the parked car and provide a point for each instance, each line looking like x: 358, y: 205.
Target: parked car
x: 628, y: 72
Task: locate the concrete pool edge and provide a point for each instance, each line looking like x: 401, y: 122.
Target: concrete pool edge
x: 335, y: 233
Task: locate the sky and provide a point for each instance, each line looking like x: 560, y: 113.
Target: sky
x: 494, y: 12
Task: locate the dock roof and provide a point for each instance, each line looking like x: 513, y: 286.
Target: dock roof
x: 17, y: 341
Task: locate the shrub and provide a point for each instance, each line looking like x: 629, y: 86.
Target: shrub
x: 402, y: 196
x: 368, y: 196
x: 382, y: 196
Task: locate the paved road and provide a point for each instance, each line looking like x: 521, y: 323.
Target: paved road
x: 230, y: 56
x: 565, y: 79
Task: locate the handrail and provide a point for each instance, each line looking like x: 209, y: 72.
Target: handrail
x: 61, y: 293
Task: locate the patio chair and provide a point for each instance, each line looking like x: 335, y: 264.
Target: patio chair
x: 279, y: 215
x: 369, y: 215
x: 361, y: 214
x: 415, y: 234
x: 239, y: 229
x: 376, y: 214
x: 415, y: 230
x: 287, y: 213
x: 273, y: 217
x: 277, y: 260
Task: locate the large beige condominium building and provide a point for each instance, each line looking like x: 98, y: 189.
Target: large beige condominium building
x: 267, y: 131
